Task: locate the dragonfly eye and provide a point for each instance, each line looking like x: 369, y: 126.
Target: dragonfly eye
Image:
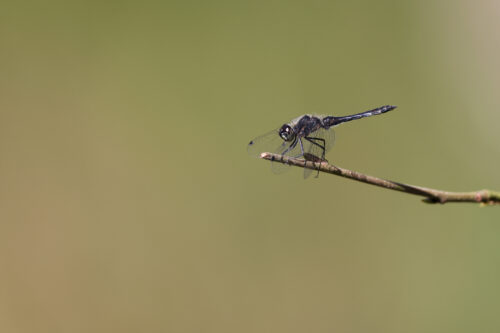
x: 286, y: 133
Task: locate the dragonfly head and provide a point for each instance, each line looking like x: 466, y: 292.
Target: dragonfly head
x: 287, y: 133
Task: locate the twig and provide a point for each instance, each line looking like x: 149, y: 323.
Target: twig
x: 485, y: 197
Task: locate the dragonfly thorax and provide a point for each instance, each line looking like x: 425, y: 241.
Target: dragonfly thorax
x: 306, y: 125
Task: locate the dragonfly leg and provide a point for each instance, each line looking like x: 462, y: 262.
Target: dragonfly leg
x: 294, y: 143
x: 301, y: 147
x: 313, y: 141
x: 314, y: 158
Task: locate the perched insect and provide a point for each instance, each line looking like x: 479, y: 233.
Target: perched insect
x: 308, y: 136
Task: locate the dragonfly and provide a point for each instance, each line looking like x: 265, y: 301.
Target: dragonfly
x: 308, y: 137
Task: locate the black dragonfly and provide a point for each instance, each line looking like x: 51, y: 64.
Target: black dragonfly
x: 309, y: 137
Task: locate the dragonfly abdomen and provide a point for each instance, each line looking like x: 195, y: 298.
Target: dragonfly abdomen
x: 330, y: 121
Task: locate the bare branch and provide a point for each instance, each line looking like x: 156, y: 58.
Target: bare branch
x: 485, y: 197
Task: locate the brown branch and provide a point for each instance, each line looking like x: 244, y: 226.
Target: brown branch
x: 485, y: 197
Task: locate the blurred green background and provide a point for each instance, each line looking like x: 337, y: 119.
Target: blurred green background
x: 128, y: 202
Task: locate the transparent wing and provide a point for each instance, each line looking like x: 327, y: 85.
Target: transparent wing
x: 319, y: 140
x: 315, y: 146
x: 289, y: 149
x: 270, y: 142
x: 328, y: 135
x: 318, y: 144
x: 273, y: 143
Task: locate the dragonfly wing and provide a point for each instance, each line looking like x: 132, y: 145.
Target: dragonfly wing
x: 291, y: 149
x: 318, y: 144
x: 273, y: 143
x: 269, y: 142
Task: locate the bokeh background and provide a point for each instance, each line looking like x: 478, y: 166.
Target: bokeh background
x: 128, y: 202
